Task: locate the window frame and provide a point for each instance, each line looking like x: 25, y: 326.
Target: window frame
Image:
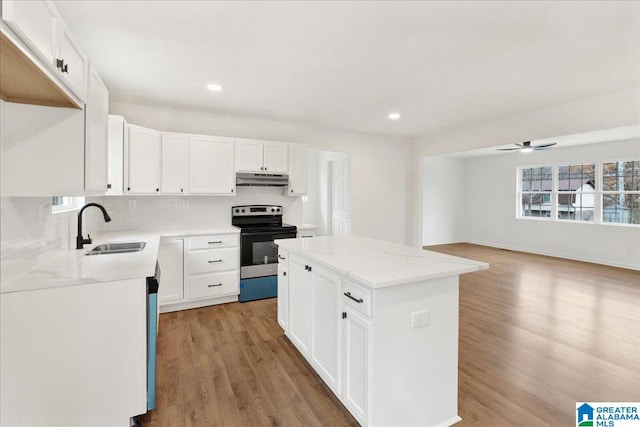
x: 72, y: 203
x: 599, y: 193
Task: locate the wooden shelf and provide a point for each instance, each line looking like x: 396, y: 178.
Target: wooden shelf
x: 24, y: 82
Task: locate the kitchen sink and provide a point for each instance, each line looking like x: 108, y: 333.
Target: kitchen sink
x: 117, y: 248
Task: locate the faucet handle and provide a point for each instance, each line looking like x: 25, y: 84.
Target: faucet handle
x: 88, y: 240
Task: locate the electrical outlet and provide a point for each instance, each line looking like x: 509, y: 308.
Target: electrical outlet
x: 419, y: 318
x: 132, y: 204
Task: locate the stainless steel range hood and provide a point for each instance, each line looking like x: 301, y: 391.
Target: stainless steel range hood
x: 246, y: 179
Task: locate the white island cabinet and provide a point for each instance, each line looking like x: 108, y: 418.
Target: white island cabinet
x: 378, y: 322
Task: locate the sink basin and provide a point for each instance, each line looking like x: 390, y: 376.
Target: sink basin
x: 117, y: 248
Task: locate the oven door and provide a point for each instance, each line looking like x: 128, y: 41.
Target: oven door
x: 258, y: 253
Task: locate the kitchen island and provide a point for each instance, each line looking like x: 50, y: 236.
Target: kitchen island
x: 378, y: 321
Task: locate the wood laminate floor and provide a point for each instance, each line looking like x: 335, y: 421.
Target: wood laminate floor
x: 537, y: 335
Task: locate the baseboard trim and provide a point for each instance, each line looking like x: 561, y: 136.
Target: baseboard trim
x: 556, y: 255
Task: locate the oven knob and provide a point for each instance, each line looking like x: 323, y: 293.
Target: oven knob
x: 237, y: 210
x: 242, y: 210
x: 278, y: 209
x: 273, y: 210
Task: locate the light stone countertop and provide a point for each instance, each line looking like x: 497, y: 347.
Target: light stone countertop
x: 307, y: 227
x: 379, y: 264
x: 71, y: 267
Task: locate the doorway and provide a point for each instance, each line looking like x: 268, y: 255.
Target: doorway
x: 328, y: 200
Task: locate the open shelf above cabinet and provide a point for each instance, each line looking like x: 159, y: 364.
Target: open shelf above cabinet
x: 24, y: 81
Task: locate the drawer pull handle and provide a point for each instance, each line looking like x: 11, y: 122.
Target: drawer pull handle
x: 214, y: 260
x: 281, y: 257
x: 213, y: 243
x: 212, y: 286
x: 358, y: 300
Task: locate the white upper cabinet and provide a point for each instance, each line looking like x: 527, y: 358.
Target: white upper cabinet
x: 117, y: 134
x: 41, y: 28
x: 142, y: 161
x: 35, y: 23
x: 298, y: 165
x: 71, y: 62
x: 174, y: 163
x: 211, y: 165
x: 261, y: 156
x: 96, y: 134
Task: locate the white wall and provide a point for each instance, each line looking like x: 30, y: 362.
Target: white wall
x: 443, y: 199
x: 490, y: 205
x: 382, y: 166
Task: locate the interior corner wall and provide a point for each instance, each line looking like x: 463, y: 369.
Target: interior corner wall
x: 381, y: 166
x: 443, y: 197
x: 491, y: 200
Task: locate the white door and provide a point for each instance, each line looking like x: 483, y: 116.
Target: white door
x: 249, y: 155
x: 276, y: 157
x: 298, y: 169
x: 34, y: 22
x: 340, y: 197
x: 143, y: 161
x: 325, y: 325
x: 74, y: 69
x: 171, y: 260
x: 283, y: 288
x: 174, y: 159
x: 116, y: 154
x: 299, y: 303
x: 96, y: 135
x: 211, y: 165
x: 355, y: 363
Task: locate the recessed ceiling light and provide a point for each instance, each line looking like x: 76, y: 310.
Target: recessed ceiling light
x: 394, y: 116
x: 214, y: 87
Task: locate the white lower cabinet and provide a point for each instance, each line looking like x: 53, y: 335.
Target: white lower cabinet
x: 325, y: 325
x: 355, y: 362
x: 197, y: 271
x: 171, y: 260
x: 299, y: 302
x: 283, y: 288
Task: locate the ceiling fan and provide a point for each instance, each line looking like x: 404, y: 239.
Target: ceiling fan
x: 526, y: 147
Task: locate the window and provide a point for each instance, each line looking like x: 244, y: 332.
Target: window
x: 596, y: 192
x: 65, y: 203
x: 536, y: 185
x: 576, y: 192
x: 621, y: 192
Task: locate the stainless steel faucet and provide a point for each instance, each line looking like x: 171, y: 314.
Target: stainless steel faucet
x: 80, y: 241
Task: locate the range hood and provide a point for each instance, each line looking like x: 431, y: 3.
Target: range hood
x: 246, y: 179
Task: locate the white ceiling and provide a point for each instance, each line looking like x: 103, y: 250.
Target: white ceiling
x: 343, y: 64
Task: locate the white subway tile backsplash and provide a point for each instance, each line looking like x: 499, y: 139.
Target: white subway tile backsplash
x: 29, y: 233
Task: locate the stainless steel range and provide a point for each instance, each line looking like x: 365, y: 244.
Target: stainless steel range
x: 260, y: 225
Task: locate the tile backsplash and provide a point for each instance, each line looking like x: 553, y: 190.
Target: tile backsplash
x: 30, y: 233
x: 172, y: 213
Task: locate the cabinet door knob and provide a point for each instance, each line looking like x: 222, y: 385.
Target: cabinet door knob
x: 232, y: 190
x: 108, y: 185
x: 182, y: 190
x: 292, y: 190
x: 157, y: 189
x: 284, y: 273
x: 128, y: 188
x: 65, y: 69
x: 59, y: 63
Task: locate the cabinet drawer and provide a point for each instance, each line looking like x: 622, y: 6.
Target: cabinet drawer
x: 214, y: 241
x: 360, y: 297
x: 213, y: 260
x: 211, y: 285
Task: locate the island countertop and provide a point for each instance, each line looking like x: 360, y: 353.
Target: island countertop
x: 379, y: 264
